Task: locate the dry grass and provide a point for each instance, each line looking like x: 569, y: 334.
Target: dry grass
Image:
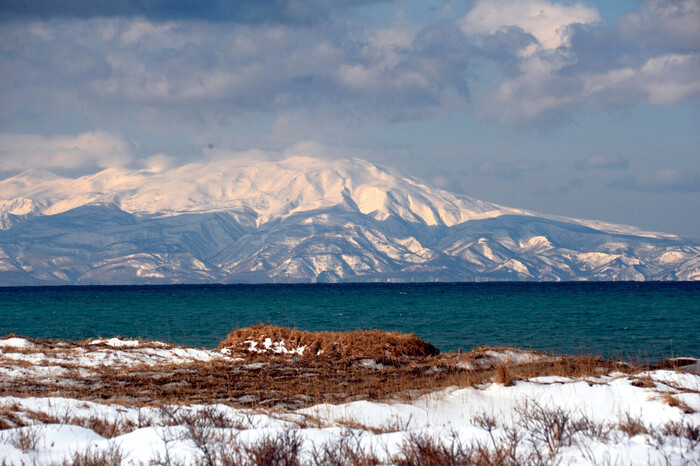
x: 9, y: 416
x: 346, y: 451
x: 671, y: 400
x: 360, y: 344
x: 503, y: 376
x: 537, y: 438
x: 112, y: 456
x: 632, y: 425
x: 25, y: 438
x: 371, y: 365
x: 643, y: 381
x: 281, y: 382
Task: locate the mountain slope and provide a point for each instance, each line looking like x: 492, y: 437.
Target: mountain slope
x: 301, y: 220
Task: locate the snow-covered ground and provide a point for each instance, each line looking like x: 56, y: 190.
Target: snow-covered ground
x: 650, y: 417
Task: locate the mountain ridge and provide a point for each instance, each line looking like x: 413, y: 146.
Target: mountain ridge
x: 302, y: 219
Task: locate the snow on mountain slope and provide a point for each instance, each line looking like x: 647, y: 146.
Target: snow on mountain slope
x: 301, y: 219
x: 270, y: 189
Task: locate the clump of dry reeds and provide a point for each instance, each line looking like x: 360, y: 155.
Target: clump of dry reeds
x: 503, y: 376
x: 359, y: 344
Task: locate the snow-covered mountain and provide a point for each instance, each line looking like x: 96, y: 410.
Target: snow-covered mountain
x: 301, y: 220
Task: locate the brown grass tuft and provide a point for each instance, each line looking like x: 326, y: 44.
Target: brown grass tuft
x: 113, y: 456
x: 359, y: 344
x: 422, y: 450
x: 676, y: 403
x: 643, y: 381
x: 632, y: 426
x: 503, y: 376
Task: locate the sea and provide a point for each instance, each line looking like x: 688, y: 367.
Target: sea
x: 642, y: 322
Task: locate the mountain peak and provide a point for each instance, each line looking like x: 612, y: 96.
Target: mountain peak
x: 36, y: 174
x: 268, y: 190
x: 302, y: 219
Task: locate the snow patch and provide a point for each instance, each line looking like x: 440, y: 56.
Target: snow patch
x: 15, y: 342
x: 117, y: 343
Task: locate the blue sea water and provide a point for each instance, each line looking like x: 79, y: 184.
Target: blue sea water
x: 639, y: 320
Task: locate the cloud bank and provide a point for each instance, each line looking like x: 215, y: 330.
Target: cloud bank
x: 213, y: 63
x: 604, y: 162
x: 99, y: 149
x: 666, y: 180
x: 295, y: 12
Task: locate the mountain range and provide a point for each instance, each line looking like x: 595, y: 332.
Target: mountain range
x: 302, y: 220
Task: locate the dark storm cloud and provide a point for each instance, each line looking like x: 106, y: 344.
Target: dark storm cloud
x: 239, y: 11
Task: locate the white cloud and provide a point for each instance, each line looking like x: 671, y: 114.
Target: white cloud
x: 139, y: 28
x: 158, y: 162
x: 673, y: 22
x: 552, y: 82
x: 510, y: 170
x: 608, y: 162
x: 530, y: 95
x: 666, y: 180
x: 91, y: 149
x: 662, y: 80
x: 542, y: 92
x: 186, y: 74
x: 547, y: 21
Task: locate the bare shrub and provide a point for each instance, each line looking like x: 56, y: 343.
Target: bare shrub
x: 208, y: 417
x: 632, y: 425
x: 488, y: 423
x: 104, y: 427
x: 553, y: 427
x: 347, y: 451
x: 424, y: 450
x: 395, y: 425
x: 210, y: 431
x: 202, y: 428
x: 280, y: 450
x: 506, y: 447
x: 112, y: 456
x: 592, y: 429
x: 686, y: 431
x: 23, y: 438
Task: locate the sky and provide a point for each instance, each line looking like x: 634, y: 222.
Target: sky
x: 585, y: 109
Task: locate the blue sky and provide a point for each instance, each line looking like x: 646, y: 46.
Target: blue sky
x: 585, y: 109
